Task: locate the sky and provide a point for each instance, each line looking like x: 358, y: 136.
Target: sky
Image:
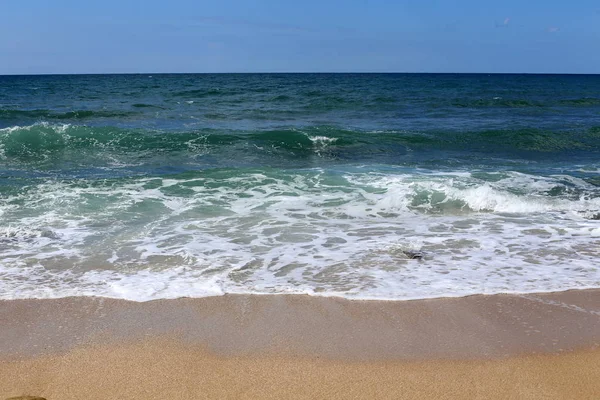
x: 151, y: 36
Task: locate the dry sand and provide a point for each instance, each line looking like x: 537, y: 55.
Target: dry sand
x: 542, y: 346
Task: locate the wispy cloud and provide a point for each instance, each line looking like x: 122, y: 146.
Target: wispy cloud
x: 553, y: 29
x: 503, y: 24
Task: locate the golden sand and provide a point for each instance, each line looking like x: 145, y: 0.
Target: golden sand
x: 298, y: 347
x: 160, y: 369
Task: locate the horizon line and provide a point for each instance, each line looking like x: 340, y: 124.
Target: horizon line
x: 295, y: 72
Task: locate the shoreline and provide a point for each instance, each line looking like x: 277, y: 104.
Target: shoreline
x: 323, y: 295
x: 299, y: 346
x: 496, y: 325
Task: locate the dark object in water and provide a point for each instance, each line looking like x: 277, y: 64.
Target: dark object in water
x: 413, y: 255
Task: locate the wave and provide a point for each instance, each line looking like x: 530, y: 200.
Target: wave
x: 497, y: 102
x: 507, y: 192
x: 143, y: 105
x: 280, y: 98
x: 343, y: 233
x: 21, y: 233
x: 34, y: 139
x: 199, y: 93
x: 501, y: 102
x: 356, y: 194
x: 46, y: 140
x: 10, y: 114
x: 581, y: 102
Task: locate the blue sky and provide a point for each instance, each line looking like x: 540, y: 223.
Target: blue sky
x: 68, y: 36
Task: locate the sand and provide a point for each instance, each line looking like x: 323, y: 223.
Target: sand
x: 542, y: 346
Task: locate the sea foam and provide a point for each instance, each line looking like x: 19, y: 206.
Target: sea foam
x: 341, y: 233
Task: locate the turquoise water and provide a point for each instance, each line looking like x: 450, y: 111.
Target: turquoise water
x: 378, y: 186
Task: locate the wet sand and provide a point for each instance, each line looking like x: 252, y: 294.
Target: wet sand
x: 503, y: 346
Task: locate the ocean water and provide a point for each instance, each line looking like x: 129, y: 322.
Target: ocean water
x: 368, y: 186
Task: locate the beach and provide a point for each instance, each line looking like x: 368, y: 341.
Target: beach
x: 299, y: 200
x: 337, y: 236
x: 532, y: 346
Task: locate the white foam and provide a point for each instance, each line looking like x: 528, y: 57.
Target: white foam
x: 143, y: 285
x: 311, y: 232
x: 320, y: 142
x: 59, y: 128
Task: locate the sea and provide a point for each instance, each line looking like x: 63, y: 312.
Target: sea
x: 362, y: 186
